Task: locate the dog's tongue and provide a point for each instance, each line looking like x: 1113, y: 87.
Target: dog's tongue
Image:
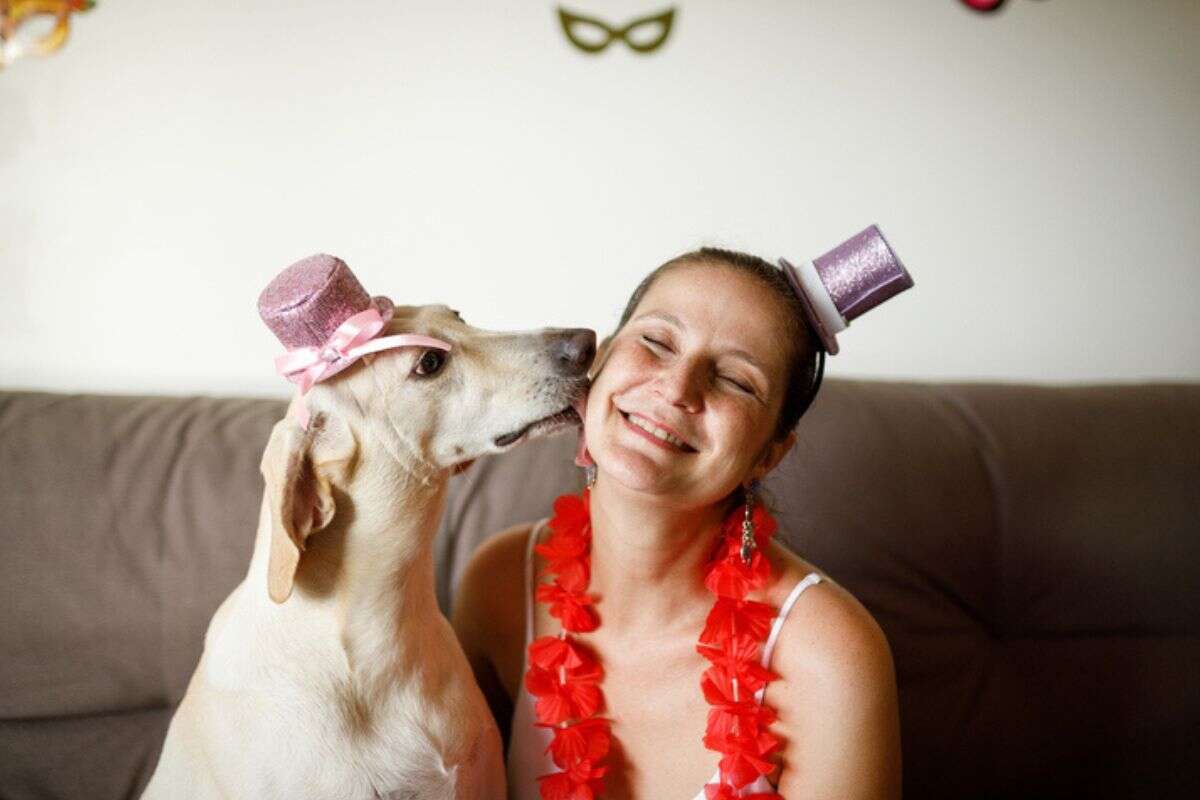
x: 582, y: 457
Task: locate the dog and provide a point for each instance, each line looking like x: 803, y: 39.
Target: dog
x: 329, y: 672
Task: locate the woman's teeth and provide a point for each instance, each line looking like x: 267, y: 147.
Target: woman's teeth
x: 657, y: 432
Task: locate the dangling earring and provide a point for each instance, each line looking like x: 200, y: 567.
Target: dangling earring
x: 748, y: 542
x: 590, y: 474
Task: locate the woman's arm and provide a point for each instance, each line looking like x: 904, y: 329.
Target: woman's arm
x: 837, y: 701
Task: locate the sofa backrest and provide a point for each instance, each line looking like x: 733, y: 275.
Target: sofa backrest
x: 1032, y: 553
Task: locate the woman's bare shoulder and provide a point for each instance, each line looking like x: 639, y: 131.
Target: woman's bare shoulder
x: 836, y: 697
x: 504, y: 549
x: 828, y: 628
x: 496, y: 571
x: 489, y: 605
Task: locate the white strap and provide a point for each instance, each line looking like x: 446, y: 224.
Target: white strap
x: 811, y: 579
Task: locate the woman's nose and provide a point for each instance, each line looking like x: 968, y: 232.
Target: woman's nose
x: 681, y: 384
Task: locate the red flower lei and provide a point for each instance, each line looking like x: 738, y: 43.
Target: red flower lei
x: 564, y: 675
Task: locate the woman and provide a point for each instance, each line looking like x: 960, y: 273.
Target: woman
x: 694, y: 400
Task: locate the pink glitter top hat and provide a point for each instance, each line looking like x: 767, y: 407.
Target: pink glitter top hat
x: 847, y: 282
x: 325, y: 318
x: 306, y: 303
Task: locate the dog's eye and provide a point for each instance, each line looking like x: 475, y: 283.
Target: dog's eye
x: 430, y: 363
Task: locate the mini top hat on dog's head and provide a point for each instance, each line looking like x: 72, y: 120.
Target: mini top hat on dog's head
x: 845, y: 283
x: 325, y: 318
x: 306, y: 303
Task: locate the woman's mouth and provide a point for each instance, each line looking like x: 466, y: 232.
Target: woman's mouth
x: 655, y: 433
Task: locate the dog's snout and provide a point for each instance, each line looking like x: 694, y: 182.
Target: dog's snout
x: 572, y: 351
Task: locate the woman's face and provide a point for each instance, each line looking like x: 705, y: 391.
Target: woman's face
x: 690, y: 390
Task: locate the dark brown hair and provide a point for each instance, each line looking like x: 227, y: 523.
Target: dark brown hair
x: 802, y: 362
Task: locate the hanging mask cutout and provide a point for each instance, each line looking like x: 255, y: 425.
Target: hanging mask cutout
x: 591, y: 35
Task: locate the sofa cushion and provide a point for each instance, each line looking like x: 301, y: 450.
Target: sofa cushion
x: 108, y: 755
x: 126, y: 522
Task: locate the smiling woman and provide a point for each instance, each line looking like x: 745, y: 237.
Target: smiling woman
x: 694, y: 400
x: 707, y: 352
x: 806, y: 358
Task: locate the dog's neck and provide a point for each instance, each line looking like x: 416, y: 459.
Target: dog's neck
x: 369, y: 576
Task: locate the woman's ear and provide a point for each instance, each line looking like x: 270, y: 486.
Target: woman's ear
x: 776, y: 450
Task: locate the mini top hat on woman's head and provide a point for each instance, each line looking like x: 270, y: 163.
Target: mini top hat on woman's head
x: 848, y: 281
x: 845, y: 283
x: 306, y: 303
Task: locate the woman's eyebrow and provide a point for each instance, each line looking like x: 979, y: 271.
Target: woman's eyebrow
x: 749, y: 359
x: 662, y: 315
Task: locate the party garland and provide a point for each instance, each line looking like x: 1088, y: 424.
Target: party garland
x: 564, y: 675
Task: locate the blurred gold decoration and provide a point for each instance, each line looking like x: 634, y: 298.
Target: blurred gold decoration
x: 17, y: 37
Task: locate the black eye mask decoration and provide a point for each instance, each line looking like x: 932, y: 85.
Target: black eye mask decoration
x: 592, y: 35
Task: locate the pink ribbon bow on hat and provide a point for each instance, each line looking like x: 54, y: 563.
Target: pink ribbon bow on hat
x: 353, y: 339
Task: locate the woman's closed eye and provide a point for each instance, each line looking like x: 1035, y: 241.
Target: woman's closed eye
x: 656, y: 344
x: 740, y: 385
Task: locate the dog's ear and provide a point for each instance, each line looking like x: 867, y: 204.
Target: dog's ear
x: 298, y: 466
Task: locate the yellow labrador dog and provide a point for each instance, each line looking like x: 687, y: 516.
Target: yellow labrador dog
x: 329, y: 672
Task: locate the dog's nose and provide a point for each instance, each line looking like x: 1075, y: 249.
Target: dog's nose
x: 572, y: 351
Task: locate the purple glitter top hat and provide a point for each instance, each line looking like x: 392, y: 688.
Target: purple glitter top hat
x: 307, y: 302
x: 847, y: 282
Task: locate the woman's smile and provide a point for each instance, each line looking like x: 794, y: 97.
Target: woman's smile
x: 655, y: 432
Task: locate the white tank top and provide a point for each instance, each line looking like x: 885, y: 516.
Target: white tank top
x: 527, y: 756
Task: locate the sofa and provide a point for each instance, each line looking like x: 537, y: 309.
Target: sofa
x: 1031, y: 552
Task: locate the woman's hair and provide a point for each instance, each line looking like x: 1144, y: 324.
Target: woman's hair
x: 802, y: 358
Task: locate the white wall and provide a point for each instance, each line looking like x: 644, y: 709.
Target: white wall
x: 1037, y: 170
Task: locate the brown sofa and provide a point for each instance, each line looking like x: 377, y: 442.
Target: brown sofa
x: 1033, y: 554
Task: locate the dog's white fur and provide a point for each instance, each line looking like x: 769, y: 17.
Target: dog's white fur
x: 329, y: 672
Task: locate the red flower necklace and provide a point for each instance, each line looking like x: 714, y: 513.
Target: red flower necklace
x: 564, y: 675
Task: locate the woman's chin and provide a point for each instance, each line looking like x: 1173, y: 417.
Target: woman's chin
x: 633, y: 470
